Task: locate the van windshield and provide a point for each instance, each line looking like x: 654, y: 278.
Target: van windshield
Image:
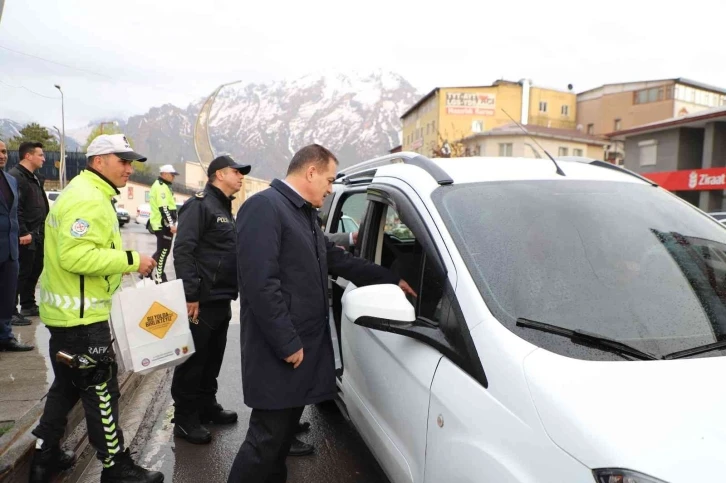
x: 626, y: 261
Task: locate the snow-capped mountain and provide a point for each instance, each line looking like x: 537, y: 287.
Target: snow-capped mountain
x: 10, y: 129
x: 356, y: 116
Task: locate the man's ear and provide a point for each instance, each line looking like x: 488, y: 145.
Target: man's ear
x: 310, y: 172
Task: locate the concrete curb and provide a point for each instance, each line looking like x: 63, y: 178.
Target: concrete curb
x: 137, y: 420
x: 16, y: 446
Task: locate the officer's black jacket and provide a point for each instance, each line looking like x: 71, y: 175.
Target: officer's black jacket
x: 205, y: 247
x: 33, y: 203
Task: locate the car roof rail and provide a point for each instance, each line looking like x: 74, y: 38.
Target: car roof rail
x: 603, y: 164
x: 367, y: 169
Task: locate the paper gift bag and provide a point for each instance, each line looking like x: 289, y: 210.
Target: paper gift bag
x: 150, y: 326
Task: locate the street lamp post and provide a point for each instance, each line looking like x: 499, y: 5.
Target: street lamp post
x: 62, y: 171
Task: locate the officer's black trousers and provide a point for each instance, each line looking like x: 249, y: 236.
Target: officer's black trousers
x: 31, y: 266
x: 163, y: 249
x: 194, y: 386
x: 261, y: 459
x: 100, y: 402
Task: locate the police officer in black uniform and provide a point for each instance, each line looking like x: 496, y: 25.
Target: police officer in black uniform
x: 205, y: 258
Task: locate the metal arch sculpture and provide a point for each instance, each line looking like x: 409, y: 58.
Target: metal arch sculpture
x: 202, y: 139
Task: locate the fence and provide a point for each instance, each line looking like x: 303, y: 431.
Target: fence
x: 76, y: 162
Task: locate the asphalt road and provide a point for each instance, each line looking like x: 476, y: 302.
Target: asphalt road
x: 340, y: 456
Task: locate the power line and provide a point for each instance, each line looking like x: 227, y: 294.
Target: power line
x: 115, y: 79
x: 29, y: 90
x: 56, y: 63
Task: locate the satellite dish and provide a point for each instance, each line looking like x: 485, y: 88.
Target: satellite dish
x: 569, y: 87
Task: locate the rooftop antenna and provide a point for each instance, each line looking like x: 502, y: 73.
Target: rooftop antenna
x: 559, y: 170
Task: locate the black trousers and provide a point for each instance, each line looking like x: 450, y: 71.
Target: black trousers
x: 8, y: 279
x: 163, y: 249
x: 100, y: 401
x: 31, y: 265
x: 261, y: 459
x: 194, y: 386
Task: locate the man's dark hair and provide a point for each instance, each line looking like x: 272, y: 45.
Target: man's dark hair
x: 312, y: 154
x: 28, y: 148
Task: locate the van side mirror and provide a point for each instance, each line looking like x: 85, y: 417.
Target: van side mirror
x: 378, y: 307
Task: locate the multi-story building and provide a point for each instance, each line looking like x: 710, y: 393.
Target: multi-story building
x: 617, y: 107
x: 448, y: 114
x: 511, y: 141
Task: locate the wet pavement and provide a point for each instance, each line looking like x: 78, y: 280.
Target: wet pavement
x: 340, y: 455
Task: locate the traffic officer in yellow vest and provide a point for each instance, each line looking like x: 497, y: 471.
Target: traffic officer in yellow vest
x: 84, y: 263
x: 163, y: 216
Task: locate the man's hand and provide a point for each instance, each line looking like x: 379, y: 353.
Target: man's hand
x: 295, y: 359
x: 26, y: 240
x: 173, y: 229
x: 193, y: 310
x: 407, y: 288
x: 355, y: 237
x: 146, y: 265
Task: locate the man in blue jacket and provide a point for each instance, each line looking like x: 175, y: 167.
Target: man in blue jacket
x: 8, y: 255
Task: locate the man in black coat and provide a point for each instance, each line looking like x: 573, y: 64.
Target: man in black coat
x: 205, y: 259
x: 287, y: 352
x: 32, y: 211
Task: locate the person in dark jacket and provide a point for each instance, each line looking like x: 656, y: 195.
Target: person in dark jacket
x: 205, y: 259
x: 283, y: 262
x: 32, y: 211
x: 8, y: 255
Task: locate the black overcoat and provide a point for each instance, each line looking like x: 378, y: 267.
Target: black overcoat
x: 283, y: 263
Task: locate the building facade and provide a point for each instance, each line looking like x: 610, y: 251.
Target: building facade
x: 448, y: 114
x: 511, y: 141
x: 618, y: 107
x: 684, y: 154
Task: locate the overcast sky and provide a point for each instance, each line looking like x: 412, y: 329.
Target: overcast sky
x: 130, y: 55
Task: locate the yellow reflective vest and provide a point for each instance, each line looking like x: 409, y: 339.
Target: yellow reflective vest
x: 84, y: 260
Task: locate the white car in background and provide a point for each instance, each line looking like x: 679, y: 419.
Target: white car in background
x: 569, y: 328
x: 52, y: 196
x: 144, y: 211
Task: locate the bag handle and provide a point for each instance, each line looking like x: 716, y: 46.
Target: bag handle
x: 131, y: 276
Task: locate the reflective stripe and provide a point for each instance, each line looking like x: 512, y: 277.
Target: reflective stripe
x: 109, y: 426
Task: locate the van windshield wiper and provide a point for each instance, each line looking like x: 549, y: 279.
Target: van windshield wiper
x: 701, y: 349
x: 588, y: 339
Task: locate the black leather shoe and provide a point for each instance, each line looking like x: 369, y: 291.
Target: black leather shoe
x: 218, y: 415
x: 12, y: 345
x: 124, y: 470
x: 33, y: 311
x: 48, y: 462
x: 299, y: 448
x: 19, y: 320
x: 302, y: 427
x: 189, y: 428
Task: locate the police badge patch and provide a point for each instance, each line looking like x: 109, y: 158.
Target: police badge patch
x: 79, y: 228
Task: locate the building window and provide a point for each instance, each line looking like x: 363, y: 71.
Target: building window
x: 648, y: 152
x: 591, y: 129
x: 617, y: 125
x: 477, y: 126
x: 562, y: 151
x: 505, y: 149
x: 577, y: 152
x: 542, y: 106
x: 565, y: 110
x: 653, y: 94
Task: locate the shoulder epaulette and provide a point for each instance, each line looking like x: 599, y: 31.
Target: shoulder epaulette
x: 200, y: 194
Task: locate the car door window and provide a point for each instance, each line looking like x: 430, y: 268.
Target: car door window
x: 351, y: 213
x: 404, y: 254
